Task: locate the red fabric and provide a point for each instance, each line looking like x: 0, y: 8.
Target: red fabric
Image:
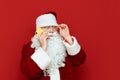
x: 33, y: 72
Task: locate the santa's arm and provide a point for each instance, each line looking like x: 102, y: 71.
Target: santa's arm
x: 75, y: 51
x: 32, y: 65
x: 41, y: 58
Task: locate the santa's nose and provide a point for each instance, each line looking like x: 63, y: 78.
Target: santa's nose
x: 50, y: 29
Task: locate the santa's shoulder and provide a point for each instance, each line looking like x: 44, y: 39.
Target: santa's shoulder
x: 28, y: 44
x: 26, y: 49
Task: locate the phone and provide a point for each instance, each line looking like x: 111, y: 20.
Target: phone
x: 38, y: 32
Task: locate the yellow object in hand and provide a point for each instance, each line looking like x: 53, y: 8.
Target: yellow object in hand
x: 38, y: 32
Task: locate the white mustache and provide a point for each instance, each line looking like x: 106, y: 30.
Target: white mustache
x: 51, y: 34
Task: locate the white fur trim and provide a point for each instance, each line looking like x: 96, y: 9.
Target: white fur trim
x: 46, y: 20
x: 55, y: 76
x: 74, y: 48
x: 41, y: 58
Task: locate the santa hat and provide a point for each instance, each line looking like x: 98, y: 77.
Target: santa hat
x: 46, y: 20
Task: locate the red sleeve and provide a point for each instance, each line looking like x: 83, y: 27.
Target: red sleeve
x: 79, y: 59
x: 28, y: 66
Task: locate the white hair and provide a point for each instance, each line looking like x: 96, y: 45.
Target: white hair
x: 55, y: 50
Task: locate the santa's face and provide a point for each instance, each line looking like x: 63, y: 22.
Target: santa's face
x: 55, y: 44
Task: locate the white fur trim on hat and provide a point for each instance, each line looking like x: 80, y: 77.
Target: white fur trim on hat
x: 46, y: 20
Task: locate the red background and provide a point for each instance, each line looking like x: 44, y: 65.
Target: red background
x: 95, y: 23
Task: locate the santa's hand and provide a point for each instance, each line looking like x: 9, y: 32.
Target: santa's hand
x: 43, y: 40
x: 64, y: 32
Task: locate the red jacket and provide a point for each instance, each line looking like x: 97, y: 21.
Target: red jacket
x: 33, y: 72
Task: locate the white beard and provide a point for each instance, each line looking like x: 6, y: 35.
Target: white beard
x: 55, y: 50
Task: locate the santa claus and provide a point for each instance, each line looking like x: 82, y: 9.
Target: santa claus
x: 51, y: 54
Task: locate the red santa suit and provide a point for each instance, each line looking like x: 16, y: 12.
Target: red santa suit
x: 34, y: 62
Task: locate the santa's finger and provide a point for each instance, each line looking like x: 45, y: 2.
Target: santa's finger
x: 48, y: 36
x: 63, y: 26
x: 59, y: 28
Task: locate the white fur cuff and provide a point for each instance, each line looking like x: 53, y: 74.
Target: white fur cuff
x: 41, y: 58
x: 74, y: 48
